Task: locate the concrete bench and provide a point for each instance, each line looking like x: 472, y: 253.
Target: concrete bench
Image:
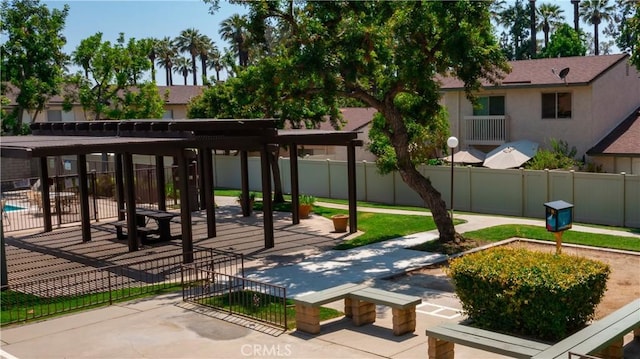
x: 142, y: 232
x: 308, y: 305
x: 442, y: 338
x: 403, y: 308
x: 359, y: 304
x: 603, y: 337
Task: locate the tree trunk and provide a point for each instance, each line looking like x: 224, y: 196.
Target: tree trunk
x: 278, y: 196
x: 411, y: 176
x: 596, y: 48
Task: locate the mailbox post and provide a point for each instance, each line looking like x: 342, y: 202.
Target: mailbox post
x: 559, y: 218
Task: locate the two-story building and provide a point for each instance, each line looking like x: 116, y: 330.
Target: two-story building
x: 580, y: 100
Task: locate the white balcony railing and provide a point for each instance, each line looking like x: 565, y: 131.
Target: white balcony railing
x: 486, y: 130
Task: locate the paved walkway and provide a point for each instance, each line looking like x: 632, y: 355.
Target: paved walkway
x: 166, y: 327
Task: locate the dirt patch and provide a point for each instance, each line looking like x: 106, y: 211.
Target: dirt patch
x: 623, y: 285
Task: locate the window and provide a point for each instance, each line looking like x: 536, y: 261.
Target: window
x: 167, y: 115
x: 489, y: 106
x: 59, y: 115
x: 556, y: 105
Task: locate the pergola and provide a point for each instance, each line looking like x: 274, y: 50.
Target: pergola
x: 177, y: 138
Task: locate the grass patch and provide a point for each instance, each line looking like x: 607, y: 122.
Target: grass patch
x: 263, y: 306
x: 498, y: 233
x: 19, y: 307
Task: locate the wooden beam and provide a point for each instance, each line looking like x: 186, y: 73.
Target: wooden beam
x: 295, y: 183
x: 351, y: 185
x: 244, y: 184
x: 209, y: 198
x: 44, y: 192
x: 130, y: 201
x: 160, y: 184
x: 185, y: 207
x: 120, y: 186
x: 83, y: 192
x: 267, y: 203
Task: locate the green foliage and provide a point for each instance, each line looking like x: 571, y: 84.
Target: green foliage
x: 110, y: 83
x: 307, y: 199
x: 529, y: 293
x: 105, y: 186
x: 565, y: 42
x: 32, y: 56
x: 171, y: 191
x: 559, y: 157
x: 633, y: 30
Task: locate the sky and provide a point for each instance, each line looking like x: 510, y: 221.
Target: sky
x: 160, y: 18
x: 142, y: 19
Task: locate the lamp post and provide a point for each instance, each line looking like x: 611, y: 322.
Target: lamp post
x: 452, y: 142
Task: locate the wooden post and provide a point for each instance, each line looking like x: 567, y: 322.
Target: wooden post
x: 558, y: 236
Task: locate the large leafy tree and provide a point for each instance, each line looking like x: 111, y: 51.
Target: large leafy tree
x: 110, y: 84
x: 565, y: 42
x: 550, y: 18
x: 32, y: 56
x: 388, y: 55
x: 593, y: 12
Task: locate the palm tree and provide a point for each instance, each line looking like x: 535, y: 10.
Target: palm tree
x: 532, y: 16
x: 153, y: 54
x: 215, y: 62
x: 234, y: 30
x: 593, y: 12
x: 206, y: 48
x: 190, y: 40
x: 550, y: 17
x: 166, y: 56
x: 183, y: 66
x: 576, y: 15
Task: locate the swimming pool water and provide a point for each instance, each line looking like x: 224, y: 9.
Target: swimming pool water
x: 9, y: 208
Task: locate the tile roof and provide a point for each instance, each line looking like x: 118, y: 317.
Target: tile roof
x: 178, y: 95
x: 538, y: 72
x: 623, y: 140
x: 355, y: 118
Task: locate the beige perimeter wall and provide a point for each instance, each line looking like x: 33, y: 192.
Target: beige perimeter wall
x: 599, y: 198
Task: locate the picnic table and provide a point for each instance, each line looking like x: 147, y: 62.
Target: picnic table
x: 143, y: 216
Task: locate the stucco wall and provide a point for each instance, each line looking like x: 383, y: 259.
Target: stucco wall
x: 596, y: 109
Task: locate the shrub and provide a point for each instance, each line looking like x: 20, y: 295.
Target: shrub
x: 559, y: 157
x: 518, y: 291
x: 105, y: 186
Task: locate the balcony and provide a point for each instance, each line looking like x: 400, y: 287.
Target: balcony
x: 486, y: 130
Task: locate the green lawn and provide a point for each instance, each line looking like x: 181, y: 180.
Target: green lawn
x: 498, y: 233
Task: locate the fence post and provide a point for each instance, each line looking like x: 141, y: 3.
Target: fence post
x: 94, y: 193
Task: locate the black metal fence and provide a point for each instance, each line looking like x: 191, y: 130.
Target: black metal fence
x: 47, y: 297
x: 236, y: 295
x: 22, y: 204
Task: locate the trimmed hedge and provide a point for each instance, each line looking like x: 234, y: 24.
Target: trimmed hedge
x: 543, y: 295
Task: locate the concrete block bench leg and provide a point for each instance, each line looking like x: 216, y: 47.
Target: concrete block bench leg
x: 440, y: 349
x: 614, y: 351
x: 347, y: 307
x: 308, y: 319
x: 362, y: 312
x: 404, y: 320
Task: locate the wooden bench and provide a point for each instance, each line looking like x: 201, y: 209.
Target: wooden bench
x: 359, y: 304
x: 442, y: 338
x: 142, y: 232
x: 603, y: 337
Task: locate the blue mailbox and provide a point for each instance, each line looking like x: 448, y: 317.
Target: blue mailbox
x: 559, y: 216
